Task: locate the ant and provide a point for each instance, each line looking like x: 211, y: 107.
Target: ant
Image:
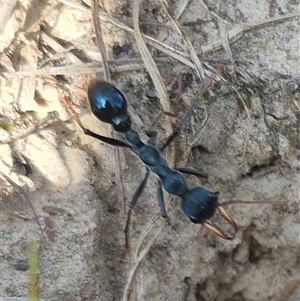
x: 110, y: 106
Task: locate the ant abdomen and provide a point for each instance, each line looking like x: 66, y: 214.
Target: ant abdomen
x: 109, y: 105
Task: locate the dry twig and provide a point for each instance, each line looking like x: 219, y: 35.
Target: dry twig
x: 32, y: 129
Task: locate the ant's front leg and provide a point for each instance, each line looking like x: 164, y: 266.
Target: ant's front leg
x: 132, y: 206
x: 191, y: 171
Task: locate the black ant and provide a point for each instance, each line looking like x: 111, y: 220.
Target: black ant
x: 109, y: 105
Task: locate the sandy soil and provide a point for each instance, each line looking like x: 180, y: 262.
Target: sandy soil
x: 243, y: 132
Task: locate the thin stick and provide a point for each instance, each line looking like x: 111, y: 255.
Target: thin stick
x: 99, y: 36
x: 188, y: 44
x: 151, y: 66
x: 119, y: 173
x: 32, y: 129
x: 142, y: 254
x: 101, y: 46
x: 234, y: 202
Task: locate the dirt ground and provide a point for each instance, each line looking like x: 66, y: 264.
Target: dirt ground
x: 243, y: 133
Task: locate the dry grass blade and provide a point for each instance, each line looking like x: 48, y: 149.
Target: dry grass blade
x: 32, y: 129
x: 101, y: 46
x: 223, y: 31
x: 100, y: 42
x: 115, y: 66
x: 142, y: 254
x: 118, y: 66
x: 225, y: 41
x: 234, y: 202
x: 60, y: 51
x: 237, y: 32
x: 178, y: 13
x: 187, y: 42
x: 150, y: 64
x: 197, y: 136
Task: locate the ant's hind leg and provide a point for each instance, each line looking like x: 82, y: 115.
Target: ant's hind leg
x: 132, y: 206
x: 161, y: 202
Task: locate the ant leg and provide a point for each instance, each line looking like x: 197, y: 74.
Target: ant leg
x: 132, y: 206
x: 161, y: 202
x: 179, y: 125
x: 216, y: 230
x: 106, y: 140
x: 191, y: 171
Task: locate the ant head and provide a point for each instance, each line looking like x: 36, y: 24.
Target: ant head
x: 199, y: 204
